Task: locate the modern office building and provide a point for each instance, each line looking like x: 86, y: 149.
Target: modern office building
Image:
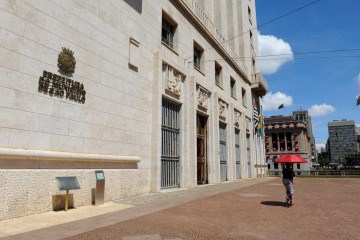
x: 342, y: 140
x: 289, y: 135
x: 358, y: 138
x: 150, y: 92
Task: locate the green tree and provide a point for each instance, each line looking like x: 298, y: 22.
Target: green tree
x: 324, y: 159
x: 352, y: 159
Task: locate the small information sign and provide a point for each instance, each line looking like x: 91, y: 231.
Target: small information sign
x: 67, y: 183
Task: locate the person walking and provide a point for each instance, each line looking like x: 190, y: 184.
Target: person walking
x: 288, y: 181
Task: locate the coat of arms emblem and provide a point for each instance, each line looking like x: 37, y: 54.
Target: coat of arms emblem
x: 66, y: 61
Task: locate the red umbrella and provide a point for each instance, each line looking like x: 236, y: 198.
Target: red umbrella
x: 291, y: 158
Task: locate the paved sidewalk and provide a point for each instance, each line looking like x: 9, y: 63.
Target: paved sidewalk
x: 325, y: 209
x: 62, y: 224
x: 252, y: 209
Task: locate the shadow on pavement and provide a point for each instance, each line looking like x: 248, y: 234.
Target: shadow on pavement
x: 273, y: 203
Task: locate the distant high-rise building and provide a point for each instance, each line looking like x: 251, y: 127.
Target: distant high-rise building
x: 322, y: 149
x: 342, y: 139
x: 358, y: 138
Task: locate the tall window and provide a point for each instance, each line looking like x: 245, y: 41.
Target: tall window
x: 288, y: 141
x: 237, y: 153
x: 198, y: 55
x: 168, y: 31
x: 218, y: 75
x: 274, y: 141
x: 253, y: 66
x: 223, y: 152
x: 282, y: 141
x: 243, y: 94
x: 251, y: 39
x: 233, y: 87
x: 249, y: 14
x: 170, y: 145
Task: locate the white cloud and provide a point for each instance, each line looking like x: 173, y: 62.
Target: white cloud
x: 358, y: 79
x: 273, y: 101
x: 319, y: 146
x: 278, y: 51
x: 320, y: 110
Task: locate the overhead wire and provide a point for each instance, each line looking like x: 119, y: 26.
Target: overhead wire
x: 273, y: 20
x: 293, y: 55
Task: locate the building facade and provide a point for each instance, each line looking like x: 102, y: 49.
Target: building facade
x: 342, y: 140
x: 289, y: 135
x: 151, y: 92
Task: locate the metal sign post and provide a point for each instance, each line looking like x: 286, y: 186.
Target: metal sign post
x: 100, y: 187
x: 67, y: 183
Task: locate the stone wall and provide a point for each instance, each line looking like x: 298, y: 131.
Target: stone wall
x: 26, y: 192
x: 115, y: 118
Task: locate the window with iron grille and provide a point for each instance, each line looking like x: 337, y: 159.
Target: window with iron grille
x: 170, y: 145
x: 237, y: 153
x: 223, y: 152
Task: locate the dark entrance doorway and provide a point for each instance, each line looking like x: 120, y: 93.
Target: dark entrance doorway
x: 201, y: 143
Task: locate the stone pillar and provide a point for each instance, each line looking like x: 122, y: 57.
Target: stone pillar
x: 220, y: 16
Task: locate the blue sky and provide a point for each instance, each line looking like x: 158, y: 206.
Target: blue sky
x: 326, y: 84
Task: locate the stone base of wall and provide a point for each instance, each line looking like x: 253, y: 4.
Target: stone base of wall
x: 58, y: 202
x: 30, y: 191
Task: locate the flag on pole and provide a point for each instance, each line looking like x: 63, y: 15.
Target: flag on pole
x: 260, y: 124
x: 281, y: 106
x: 255, y: 115
x: 358, y: 99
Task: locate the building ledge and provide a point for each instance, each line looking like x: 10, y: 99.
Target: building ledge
x: 24, y: 154
x: 259, y: 85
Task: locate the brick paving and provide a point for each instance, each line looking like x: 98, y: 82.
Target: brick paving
x: 325, y: 208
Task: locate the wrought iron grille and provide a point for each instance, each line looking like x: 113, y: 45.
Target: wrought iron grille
x: 223, y: 155
x: 237, y: 153
x: 170, y: 146
x: 248, y: 153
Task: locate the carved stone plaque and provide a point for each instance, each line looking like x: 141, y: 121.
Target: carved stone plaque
x: 222, y: 109
x: 203, y: 97
x: 237, y: 118
x: 248, y: 124
x: 172, y: 79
